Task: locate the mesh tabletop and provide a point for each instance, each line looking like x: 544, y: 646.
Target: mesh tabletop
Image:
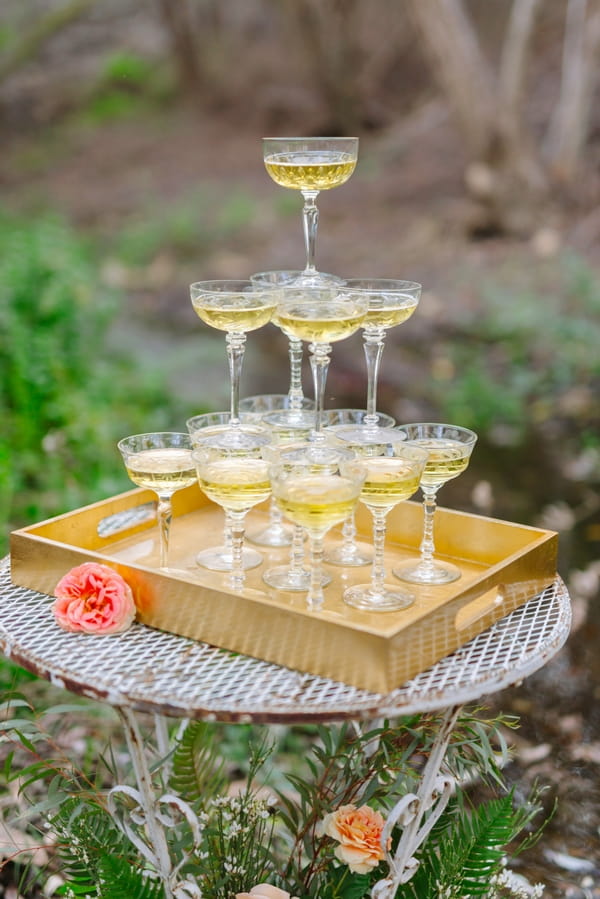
x: 150, y: 670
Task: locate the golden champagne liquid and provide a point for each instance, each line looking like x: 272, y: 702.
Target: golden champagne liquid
x: 388, y: 482
x: 447, y: 459
x: 234, y: 483
x: 162, y: 470
x: 317, y: 502
x: 324, y: 322
x: 245, y: 315
x: 310, y: 169
x: 385, y: 317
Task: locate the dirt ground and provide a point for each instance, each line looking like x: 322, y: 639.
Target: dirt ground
x: 403, y: 214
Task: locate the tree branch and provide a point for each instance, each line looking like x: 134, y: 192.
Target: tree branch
x: 46, y: 27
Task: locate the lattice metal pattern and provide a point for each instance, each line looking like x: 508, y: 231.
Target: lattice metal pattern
x: 149, y: 670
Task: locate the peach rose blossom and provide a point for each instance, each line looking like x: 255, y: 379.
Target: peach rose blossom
x: 358, y: 831
x: 95, y: 599
x: 264, y: 891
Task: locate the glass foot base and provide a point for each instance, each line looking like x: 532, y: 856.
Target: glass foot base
x: 243, y: 438
x: 290, y: 423
x: 348, y: 556
x: 285, y: 578
x: 272, y: 535
x: 219, y: 558
x: 310, y: 277
x: 364, y: 596
x: 428, y: 574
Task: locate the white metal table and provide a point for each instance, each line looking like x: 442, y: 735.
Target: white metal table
x: 145, y: 670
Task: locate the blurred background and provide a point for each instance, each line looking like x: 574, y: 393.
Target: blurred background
x: 131, y: 165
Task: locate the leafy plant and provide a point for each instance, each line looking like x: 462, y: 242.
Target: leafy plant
x: 128, y: 84
x: 523, y: 361
x: 465, y: 850
x: 65, y: 398
x: 253, y: 834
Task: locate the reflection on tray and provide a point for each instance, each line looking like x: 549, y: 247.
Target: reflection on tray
x: 128, y: 518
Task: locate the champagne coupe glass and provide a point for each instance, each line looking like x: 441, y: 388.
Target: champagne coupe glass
x: 449, y: 448
x: 293, y: 414
x: 310, y: 165
x: 317, y: 500
x: 162, y: 462
x: 321, y: 316
x: 256, y: 408
x: 295, y: 576
x: 349, y: 554
x: 391, y: 302
x: 393, y: 474
x: 235, y: 307
x: 205, y: 428
x: 236, y: 481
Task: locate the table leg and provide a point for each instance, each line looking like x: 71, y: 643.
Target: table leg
x: 144, y: 817
x: 416, y: 813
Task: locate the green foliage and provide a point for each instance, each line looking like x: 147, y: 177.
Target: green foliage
x: 110, y: 105
x: 463, y: 853
x: 7, y: 37
x: 65, y: 399
x: 250, y: 835
x: 12, y: 676
x: 190, y: 226
x: 197, y: 766
x: 128, y: 84
x: 85, y: 833
x: 526, y: 357
x: 236, y: 847
x: 127, y: 67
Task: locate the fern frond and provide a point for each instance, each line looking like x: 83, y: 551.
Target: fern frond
x: 87, y: 835
x: 119, y: 880
x: 198, y: 771
x: 486, y: 830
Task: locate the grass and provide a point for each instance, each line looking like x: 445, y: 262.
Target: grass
x: 65, y: 397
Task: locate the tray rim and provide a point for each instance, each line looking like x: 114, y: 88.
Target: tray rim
x: 379, y: 638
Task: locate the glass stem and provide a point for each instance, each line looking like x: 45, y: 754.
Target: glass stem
x: 319, y: 363
x: 349, y: 536
x: 310, y: 221
x: 164, y: 514
x: 378, y: 569
x: 236, y: 343
x: 237, y: 575
x: 295, y: 393
x: 373, y: 347
x: 427, y: 547
x: 297, y: 550
x: 275, y: 516
x: 227, y: 549
x: 315, y: 591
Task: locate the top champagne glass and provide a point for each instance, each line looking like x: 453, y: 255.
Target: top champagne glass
x: 310, y: 165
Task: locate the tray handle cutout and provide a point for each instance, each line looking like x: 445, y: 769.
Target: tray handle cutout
x: 478, y: 608
x: 126, y: 519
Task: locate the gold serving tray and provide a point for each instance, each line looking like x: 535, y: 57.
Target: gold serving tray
x: 503, y: 565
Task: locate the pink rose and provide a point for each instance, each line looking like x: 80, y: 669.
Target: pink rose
x: 358, y: 831
x: 264, y: 891
x: 94, y: 599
